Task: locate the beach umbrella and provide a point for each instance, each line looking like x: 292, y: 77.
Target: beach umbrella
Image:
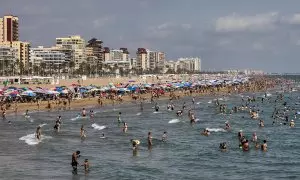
x: 11, y: 87
x: 94, y: 89
x: 13, y: 93
x: 28, y: 93
x: 65, y: 91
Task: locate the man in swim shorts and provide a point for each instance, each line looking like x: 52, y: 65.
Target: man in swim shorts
x: 74, y: 162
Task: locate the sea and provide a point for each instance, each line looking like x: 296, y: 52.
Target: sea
x: 185, y: 155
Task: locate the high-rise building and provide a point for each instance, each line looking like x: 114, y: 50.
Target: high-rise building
x: 8, y: 59
x: 77, y: 45
x: 189, y: 64
x: 142, y: 59
x: 94, y: 51
x: 9, y: 28
x: 23, y: 51
x: 156, y: 60
x: 121, y: 54
x: 49, y: 56
x: 150, y: 60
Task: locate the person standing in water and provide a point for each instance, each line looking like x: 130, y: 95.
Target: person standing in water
x: 264, y: 146
x: 91, y: 113
x: 142, y: 106
x: 74, y: 162
x: 156, y: 107
x: 38, y: 133
x: 83, y: 113
x: 164, y: 137
x: 150, y: 140
x: 292, y: 124
x: 57, y: 124
x: 254, y: 137
x: 119, y: 118
x: 82, y: 132
x: 86, y: 166
x: 125, y: 127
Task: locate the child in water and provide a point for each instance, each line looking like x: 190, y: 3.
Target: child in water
x: 86, y: 165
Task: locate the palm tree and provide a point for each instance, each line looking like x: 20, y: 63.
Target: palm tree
x: 22, y: 68
x: 43, y: 66
x: 71, y: 66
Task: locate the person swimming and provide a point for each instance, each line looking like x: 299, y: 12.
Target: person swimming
x: 135, y: 144
x: 103, y: 136
x: 38, y: 133
x: 240, y: 134
x: 179, y: 113
x: 261, y: 123
x: 205, y: 132
x: 223, y: 146
x: 227, y: 125
x: 192, y: 118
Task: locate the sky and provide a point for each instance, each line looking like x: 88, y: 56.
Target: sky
x: 225, y: 34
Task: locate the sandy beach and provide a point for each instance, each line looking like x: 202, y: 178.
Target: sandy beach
x: 256, y: 85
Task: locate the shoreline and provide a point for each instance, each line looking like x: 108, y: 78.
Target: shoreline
x: 93, y: 101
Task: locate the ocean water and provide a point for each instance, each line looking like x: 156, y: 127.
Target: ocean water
x: 185, y: 155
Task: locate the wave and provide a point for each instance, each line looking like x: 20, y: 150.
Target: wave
x: 78, y: 117
x: 97, y: 127
x: 174, y: 121
x: 269, y: 94
x: 216, y: 129
x: 138, y: 114
x: 198, y: 102
x: 31, y: 139
x: 155, y: 112
x: 41, y: 125
x: 209, y: 102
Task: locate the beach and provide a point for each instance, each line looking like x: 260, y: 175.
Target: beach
x: 93, y: 101
x: 185, y: 155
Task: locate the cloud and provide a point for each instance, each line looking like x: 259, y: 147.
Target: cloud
x: 236, y: 22
x: 294, y: 19
x: 166, y: 29
x: 103, y: 21
x: 35, y: 10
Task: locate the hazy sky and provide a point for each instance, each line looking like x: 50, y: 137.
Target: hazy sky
x: 226, y: 34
